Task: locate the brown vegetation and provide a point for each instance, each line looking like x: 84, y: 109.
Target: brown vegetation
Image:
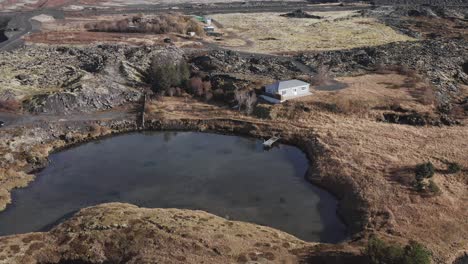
x: 201, y: 88
x: 10, y: 105
x: 161, y: 24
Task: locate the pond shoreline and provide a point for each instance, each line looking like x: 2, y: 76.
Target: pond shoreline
x: 318, y: 205
x: 353, y: 218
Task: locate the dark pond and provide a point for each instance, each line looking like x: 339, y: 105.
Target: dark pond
x: 229, y: 176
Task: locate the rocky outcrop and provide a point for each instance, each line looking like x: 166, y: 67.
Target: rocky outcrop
x: 124, y: 233
x: 299, y: 13
x: 61, y: 80
x: 420, y: 2
x: 441, y: 61
x: 235, y: 62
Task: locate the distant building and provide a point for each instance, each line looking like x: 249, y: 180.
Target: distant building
x: 208, y: 21
x: 209, y: 29
x: 199, y: 18
x: 284, y: 90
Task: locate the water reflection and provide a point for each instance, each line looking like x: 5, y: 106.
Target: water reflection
x: 228, y: 176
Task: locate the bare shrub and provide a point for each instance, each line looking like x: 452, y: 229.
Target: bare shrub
x: 321, y: 77
x: 171, y: 91
x: 250, y: 102
x: 240, y: 96
x: 10, y: 105
x: 196, y: 86
x: 98, y: 130
x: 208, y: 96
x: 207, y: 86
x: 178, y: 91
x: 208, y: 93
x: 424, y: 95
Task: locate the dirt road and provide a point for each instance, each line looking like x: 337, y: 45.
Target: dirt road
x: 25, y: 26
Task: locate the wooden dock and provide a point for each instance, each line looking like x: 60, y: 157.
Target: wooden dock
x: 270, y: 141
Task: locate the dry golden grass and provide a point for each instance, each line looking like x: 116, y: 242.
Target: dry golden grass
x: 373, y: 92
x: 272, y: 33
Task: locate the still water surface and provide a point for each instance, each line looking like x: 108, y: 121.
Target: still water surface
x: 229, y: 176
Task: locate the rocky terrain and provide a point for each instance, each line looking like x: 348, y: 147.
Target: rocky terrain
x: 419, y: 2
x: 440, y: 61
x: 59, y: 80
x: 369, y: 165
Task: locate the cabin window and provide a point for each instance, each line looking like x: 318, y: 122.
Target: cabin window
x: 283, y: 92
x: 303, y: 88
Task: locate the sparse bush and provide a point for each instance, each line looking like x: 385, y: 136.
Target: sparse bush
x: 419, y: 185
x: 379, y: 252
x: 454, y: 167
x: 98, y: 130
x: 433, y: 188
x: 263, y: 111
x: 425, y: 170
x: 10, y: 105
x: 426, y: 95
x: 415, y: 253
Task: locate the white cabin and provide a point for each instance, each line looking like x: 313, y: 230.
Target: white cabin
x: 285, y: 90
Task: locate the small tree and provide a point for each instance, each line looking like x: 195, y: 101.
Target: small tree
x: 184, y: 73
x: 165, y: 73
